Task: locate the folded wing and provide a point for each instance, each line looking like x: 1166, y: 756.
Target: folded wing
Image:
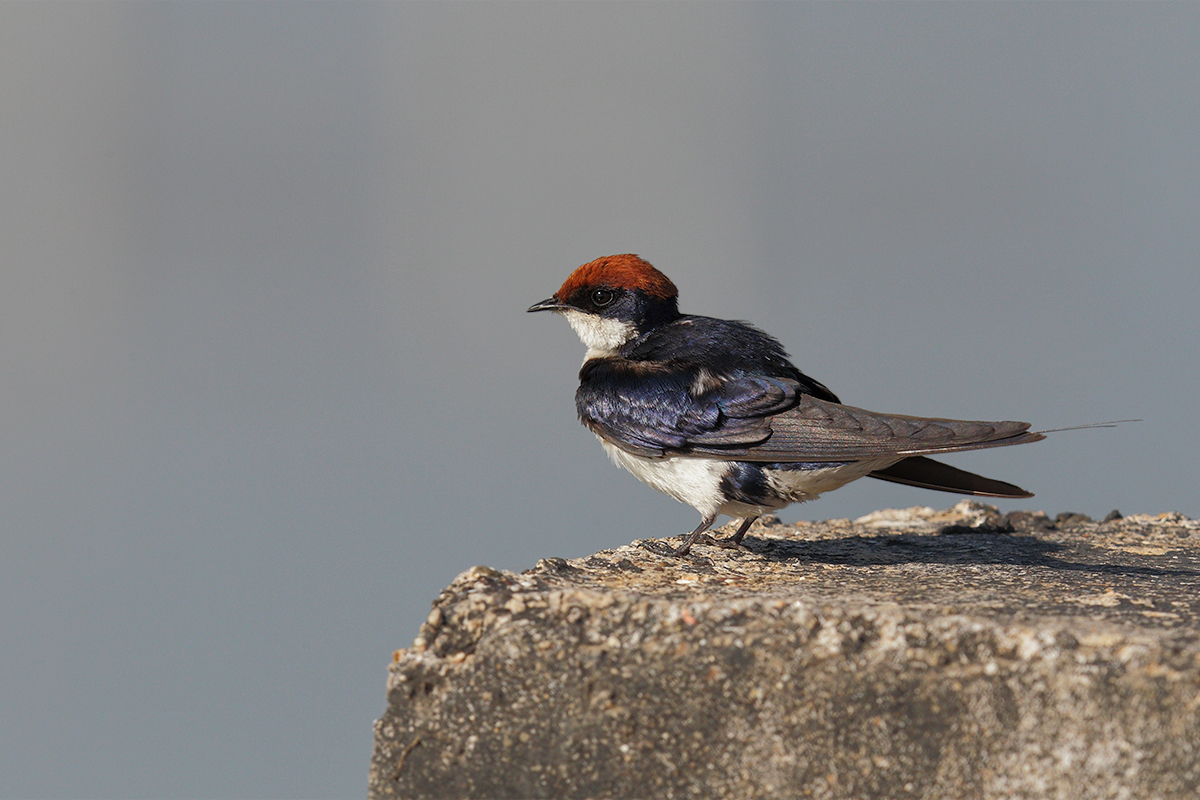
x: 817, y: 430
x: 651, y: 409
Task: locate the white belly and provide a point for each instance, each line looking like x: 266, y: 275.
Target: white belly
x: 697, y: 481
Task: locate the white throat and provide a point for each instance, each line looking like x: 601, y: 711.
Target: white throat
x: 602, y: 337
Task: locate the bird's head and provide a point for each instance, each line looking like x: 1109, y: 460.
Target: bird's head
x: 613, y: 300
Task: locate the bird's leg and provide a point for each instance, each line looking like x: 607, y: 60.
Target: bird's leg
x: 704, y: 525
x: 736, y: 539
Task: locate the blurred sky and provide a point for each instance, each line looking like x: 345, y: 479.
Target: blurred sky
x: 267, y: 382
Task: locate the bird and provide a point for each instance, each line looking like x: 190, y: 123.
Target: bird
x: 713, y: 413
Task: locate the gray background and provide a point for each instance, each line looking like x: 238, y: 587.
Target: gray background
x: 266, y: 378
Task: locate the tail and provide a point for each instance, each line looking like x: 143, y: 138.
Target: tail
x: 1088, y: 426
x: 929, y: 474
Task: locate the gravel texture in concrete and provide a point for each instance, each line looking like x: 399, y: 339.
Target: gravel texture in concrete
x: 909, y: 653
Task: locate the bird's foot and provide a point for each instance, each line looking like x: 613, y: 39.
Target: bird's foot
x: 702, y: 538
x: 731, y: 543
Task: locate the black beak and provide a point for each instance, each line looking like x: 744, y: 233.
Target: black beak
x: 549, y: 304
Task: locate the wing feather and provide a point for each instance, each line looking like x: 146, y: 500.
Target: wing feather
x: 817, y: 430
x: 656, y: 409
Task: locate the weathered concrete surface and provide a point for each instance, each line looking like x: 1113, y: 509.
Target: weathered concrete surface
x: 953, y: 654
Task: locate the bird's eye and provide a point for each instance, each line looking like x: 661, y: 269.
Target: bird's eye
x: 602, y: 297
